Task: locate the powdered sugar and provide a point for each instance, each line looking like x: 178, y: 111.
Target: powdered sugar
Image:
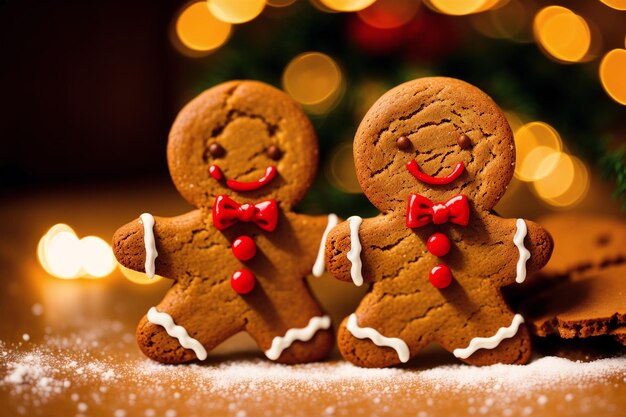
x: 38, y: 376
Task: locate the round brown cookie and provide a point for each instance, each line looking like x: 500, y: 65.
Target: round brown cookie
x: 242, y: 127
x: 437, y: 255
x: 244, y: 154
x: 593, y: 304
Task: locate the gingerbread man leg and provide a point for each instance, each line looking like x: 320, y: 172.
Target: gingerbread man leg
x: 381, y: 334
x: 493, y: 334
x: 176, y: 331
x: 287, y: 338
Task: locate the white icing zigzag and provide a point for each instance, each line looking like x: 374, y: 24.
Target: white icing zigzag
x: 395, y: 343
x: 490, y: 342
x: 303, y: 334
x: 354, y: 255
x: 148, y: 239
x: 524, y: 254
x: 318, y: 266
x: 179, y: 332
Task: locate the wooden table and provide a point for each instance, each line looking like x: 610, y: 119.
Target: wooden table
x: 80, y: 357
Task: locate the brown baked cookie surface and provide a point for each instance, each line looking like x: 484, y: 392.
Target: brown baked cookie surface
x: 582, y: 290
x: 244, y: 154
x: 434, y: 155
x: 584, y: 243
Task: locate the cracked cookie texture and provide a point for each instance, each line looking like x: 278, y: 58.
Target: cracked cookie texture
x: 254, y: 126
x: 437, y: 124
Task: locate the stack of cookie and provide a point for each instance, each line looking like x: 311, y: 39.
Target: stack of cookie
x: 582, y: 291
x: 434, y: 155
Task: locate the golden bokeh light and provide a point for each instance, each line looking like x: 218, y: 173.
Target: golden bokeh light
x: 139, y: 277
x: 561, y: 178
x: 389, y: 14
x: 538, y: 139
x: 314, y: 80
x: 236, y: 11
x: 96, y: 256
x: 461, y: 7
x: 613, y: 74
x: 199, y: 31
x: 280, y: 3
x: 347, y: 5
x: 506, y: 22
x: 538, y: 163
x: 577, y: 191
x: 63, y: 255
x: 340, y: 170
x: 615, y: 4
x: 567, y: 185
x: 563, y: 34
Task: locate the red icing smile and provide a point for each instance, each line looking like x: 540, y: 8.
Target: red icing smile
x: 270, y: 173
x: 414, y: 169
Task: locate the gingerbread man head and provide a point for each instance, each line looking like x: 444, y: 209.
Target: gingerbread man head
x: 242, y: 139
x: 435, y: 137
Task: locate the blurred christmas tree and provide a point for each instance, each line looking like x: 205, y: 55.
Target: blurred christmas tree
x: 364, y: 53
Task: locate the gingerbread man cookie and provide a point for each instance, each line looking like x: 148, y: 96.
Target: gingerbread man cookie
x: 434, y: 155
x: 244, y: 154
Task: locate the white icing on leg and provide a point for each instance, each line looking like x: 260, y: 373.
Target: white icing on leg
x: 279, y: 344
x: 354, y: 255
x: 179, y: 332
x: 318, y: 266
x: 395, y: 343
x: 524, y: 254
x: 490, y: 342
x: 149, y: 243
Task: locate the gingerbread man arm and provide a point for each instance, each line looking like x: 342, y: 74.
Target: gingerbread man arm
x: 312, y: 232
x: 136, y: 244
x: 358, y: 250
x: 523, y: 247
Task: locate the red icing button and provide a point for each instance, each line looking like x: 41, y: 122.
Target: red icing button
x: 440, y: 276
x: 242, y: 281
x: 244, y: 248
x: 438, y: 244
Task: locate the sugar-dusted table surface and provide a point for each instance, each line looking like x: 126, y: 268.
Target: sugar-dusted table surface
x: 67, y: 347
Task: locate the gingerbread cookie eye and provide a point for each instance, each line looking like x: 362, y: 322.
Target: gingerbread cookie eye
x: 216, y: 150
x: 403, y: 143
x: 274, y: 152
x: 464, y: 141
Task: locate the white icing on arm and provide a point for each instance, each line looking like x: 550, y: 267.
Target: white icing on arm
x: 524, y: 254
x: 318, y: 266
x: 179, y: 332
x: 395, y: 343
x: 490, y: 342
x: 149, y: 243
x: 354, y: 255
x: 303, y: 334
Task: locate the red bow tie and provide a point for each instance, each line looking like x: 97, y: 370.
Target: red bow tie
x: 227, y: 212
x: 421, y: 211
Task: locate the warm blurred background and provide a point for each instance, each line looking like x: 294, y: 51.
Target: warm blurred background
x: 90, y: 90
